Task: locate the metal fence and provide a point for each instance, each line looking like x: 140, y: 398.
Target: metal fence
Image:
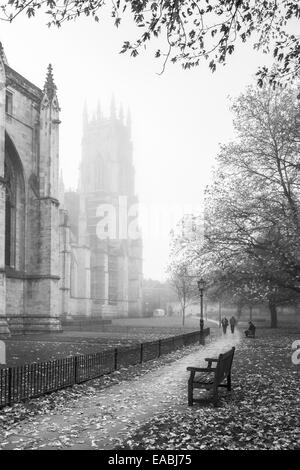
x: 33, y: 380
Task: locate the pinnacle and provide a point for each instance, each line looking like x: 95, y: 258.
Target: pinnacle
x: 50, y: 87
x: 2, y: 54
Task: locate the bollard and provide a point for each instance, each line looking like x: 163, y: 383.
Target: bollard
x: 141, y: 358
x: 116, y: 359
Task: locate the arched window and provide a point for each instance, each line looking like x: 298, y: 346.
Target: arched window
x: 10, y: 212
x: 14, y: 207
x: 73, y: 275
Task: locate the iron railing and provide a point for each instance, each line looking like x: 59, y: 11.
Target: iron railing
x: 20, y: 383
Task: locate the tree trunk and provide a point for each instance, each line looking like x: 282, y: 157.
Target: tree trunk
x: 273, y: 312
x: 183, y: 315
x: 239, y: 311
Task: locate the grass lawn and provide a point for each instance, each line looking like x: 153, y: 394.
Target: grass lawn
x: 262, y: 412
x: 123, y: 332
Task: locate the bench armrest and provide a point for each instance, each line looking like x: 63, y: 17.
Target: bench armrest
x: 201, y: 369
x: 210, y: 360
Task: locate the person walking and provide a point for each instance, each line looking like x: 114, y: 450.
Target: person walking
x: 232, y: 322
x: 224, y: 324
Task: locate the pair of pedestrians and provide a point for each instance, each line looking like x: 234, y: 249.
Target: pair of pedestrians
x: 225, y: 323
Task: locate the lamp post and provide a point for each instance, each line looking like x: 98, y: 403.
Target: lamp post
x: 201, y: 286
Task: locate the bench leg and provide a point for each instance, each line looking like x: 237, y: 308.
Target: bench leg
x: 229, y: 382
x: 215, y: 396
x: 190, y: 393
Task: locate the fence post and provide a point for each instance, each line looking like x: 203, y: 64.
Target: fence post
x: 76, y: 369
x: 142, y: 347
x: 159, y: 348
x: 9, y: 386
x: 116, y: 358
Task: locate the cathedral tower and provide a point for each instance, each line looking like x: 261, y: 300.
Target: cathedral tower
x: 106, y: 193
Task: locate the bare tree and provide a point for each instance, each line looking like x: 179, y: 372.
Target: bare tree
x: 183, y: 285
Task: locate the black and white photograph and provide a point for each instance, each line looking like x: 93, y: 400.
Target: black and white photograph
x: 150, y: 228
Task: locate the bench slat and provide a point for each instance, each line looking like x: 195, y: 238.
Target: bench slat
x: 203, y: 378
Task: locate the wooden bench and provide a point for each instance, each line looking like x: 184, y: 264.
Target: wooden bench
x: 210, y: 377
x: 250, y: 333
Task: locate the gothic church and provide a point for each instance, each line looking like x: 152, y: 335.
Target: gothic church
x: 52, y: 263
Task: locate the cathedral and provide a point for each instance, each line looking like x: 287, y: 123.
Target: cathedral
x: 100, y: 238
x: 63, y: 254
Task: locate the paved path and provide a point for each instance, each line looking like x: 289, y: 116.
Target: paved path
x: 104, y: 420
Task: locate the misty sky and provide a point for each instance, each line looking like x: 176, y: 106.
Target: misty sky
x: 178, y: 118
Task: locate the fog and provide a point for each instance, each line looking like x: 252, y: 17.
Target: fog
x: 178, y: 117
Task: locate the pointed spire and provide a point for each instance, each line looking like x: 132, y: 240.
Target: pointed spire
x: 2, y: 54
x: 121, y: 113
x: 99, y: 113
x: 113, y: 107
x: 50, y: 87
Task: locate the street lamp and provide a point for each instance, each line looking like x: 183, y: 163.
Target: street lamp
x: 201, y: 285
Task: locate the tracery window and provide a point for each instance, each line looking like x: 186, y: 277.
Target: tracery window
x: 14, y: 207
x: 10, y: 212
